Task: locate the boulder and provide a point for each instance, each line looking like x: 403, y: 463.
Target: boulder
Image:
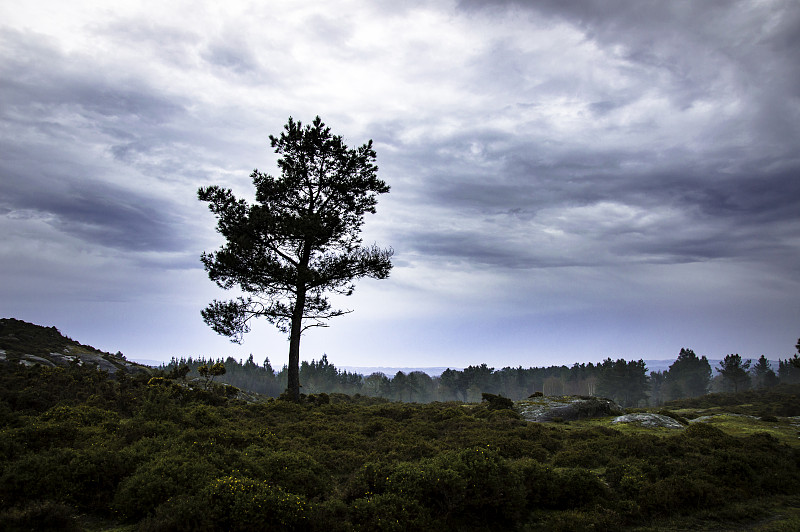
x: 649, y: 420
x: 565, y: 407
x: 30, y: 360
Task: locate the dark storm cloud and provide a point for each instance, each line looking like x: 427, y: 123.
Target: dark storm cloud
x: 731, y: 175
x: 61, y: 114
x: 37, y: 78
x: 96, y: 212
x: 688, y: 39
x: 742, y: 215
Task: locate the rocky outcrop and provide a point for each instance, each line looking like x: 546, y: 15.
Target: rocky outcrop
x: 104, y: 362
x: 565, y: 408
x: 649, y: 420
x: 29, y: 344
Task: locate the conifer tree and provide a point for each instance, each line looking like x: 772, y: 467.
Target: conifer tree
x: 734, y: 372
x: 688, y: 376
x: 300, y: 241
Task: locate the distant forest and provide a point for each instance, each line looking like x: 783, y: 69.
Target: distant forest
x: 626, y: 382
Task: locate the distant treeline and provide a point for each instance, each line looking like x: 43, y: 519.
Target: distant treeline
x: 627, y: 382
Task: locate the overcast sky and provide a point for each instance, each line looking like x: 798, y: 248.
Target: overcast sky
x: 570, y: 180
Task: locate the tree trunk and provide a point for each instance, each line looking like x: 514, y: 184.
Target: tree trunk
x: 293, y: 386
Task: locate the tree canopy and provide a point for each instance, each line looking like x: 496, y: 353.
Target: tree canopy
x: 624, y: 382
x: 688, y: 376
x: 734, y: 372
x: 300, y: 241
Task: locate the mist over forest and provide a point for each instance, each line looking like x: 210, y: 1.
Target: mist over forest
x: 629, y: 383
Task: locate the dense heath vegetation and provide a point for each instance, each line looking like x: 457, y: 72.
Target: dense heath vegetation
x: 78, y: 448
x: 82, y: 449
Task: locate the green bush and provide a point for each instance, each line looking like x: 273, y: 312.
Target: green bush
x: 177, y: 471
x: 294, y: 471
x: 439, y: 488
x: 576, y: 488
x: 677, y: 417
x: 38, y: 476
x: 243, y: 504
x: 627, y: 479
x: 390, y: 512
x: 497, y: 402
x: 178, y: 514
x: 679, y: 494
x: 39, y: 515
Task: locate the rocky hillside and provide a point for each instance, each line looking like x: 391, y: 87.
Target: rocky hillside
x: 31, y: 344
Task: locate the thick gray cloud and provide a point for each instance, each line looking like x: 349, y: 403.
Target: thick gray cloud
x: 568, y: 178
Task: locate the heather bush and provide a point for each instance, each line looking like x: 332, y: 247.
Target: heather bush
x: 243, y: 504
x: 391, y: 512
x: 294, y: 471
x: 167, y: 474
x: 39, y: 515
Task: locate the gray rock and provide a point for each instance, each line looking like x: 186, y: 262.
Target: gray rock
x: 31, y: 360
x: 709, y: 418
x: 565, y: 407
x: 649, y: 420
x: 99, y: 361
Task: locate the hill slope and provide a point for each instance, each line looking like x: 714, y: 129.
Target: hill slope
x: 31, y: 344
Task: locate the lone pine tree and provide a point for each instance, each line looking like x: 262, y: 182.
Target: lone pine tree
x: 301, y: 239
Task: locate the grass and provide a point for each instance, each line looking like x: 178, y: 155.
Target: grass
x: 785, y: 429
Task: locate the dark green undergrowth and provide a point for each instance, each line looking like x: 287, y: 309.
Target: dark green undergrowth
x: 780, y: 400
x: 77, y: 445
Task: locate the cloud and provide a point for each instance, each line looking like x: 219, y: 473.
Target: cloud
x: 559, y: 159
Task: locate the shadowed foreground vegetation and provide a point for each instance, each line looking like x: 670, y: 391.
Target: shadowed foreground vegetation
x: 80, y: 450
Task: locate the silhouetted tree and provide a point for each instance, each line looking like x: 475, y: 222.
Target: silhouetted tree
x: 377, y: 385
x: 319, y: 376
x: 299, y: 241
x: 688, y: 376
x: 795, y: 361
x: 480, y: 377
x: 624, y: 382
x: 763, y: 375
x: 456, y: 382
x: 401, y: 387
x: 734, y: 373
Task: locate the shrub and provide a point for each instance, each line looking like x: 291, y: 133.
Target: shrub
x: 294, y: 471
x: 368, y: 480
x: 584, y: 454
x: 627, y: 478
x: 576, y: 488
x: 494, y: 493
x: 318, y: 399
x: 441, y: 489
x: 677, y: 417
x: 174, y: 472
x: 708, y: 434
x: 390, y: 512
x: 39, y: 515
x: 497, y: 402
x: 37, y: 476
x: 177, y: 514
x: 681, y: 494
x: 243, y: 504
